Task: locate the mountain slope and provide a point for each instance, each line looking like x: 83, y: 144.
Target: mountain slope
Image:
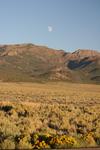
x: 87, y: 64
x: 28, y: 62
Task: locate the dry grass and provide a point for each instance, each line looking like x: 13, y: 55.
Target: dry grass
x: 58, y: 109
x: 50, y: 92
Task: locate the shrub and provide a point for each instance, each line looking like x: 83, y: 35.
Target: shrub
x: 63, y: 141
x: 7, y: 144
x: 24, y: 143
x: 89, y: 140
x: 6, y: 108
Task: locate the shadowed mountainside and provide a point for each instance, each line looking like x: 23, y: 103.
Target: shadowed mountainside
x: 28, y: 62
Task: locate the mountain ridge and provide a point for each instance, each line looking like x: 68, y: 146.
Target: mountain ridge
x: 29, y: 62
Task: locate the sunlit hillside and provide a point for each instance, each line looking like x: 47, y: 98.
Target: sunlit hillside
x: 33, y: 63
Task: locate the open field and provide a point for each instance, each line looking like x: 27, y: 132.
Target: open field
x: 49, y: 115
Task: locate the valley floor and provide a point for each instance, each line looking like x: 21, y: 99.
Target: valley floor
x: 49, y: 115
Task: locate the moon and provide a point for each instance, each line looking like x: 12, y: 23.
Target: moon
x: 50, y: 28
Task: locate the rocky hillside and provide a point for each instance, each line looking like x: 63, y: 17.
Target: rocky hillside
x: 28, y: 62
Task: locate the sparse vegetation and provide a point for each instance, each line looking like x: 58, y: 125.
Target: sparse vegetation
x: 50, y: 115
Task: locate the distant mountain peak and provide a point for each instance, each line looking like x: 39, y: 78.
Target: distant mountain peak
x: 81, y: 53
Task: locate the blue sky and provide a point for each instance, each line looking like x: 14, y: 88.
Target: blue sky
x: 60, y: 24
